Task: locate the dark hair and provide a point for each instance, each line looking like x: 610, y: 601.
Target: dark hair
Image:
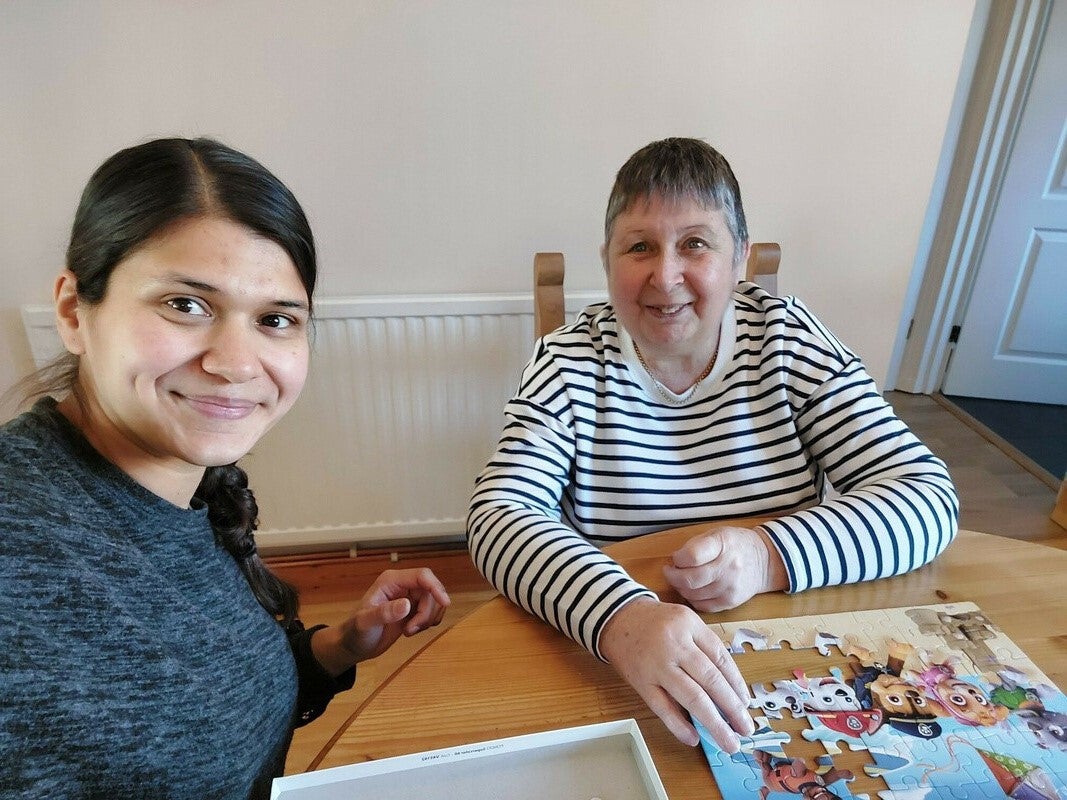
x: 677, y: 169
x: 136, y: 196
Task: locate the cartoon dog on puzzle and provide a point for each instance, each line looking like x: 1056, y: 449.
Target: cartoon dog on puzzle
x: 794, y: 776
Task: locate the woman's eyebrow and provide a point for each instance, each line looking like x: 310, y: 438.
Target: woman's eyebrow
x: 207, y: 288
x: 200, y: 286
x: 297, y: 304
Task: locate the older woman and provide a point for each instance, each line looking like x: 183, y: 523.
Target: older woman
x: 691, y: 398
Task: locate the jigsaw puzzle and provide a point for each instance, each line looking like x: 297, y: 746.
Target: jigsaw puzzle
x: 906, y: 703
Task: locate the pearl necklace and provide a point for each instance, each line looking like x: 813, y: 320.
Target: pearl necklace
x: 666, y: 393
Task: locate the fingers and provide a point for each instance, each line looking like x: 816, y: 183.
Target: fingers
x: 703, y: 688
x: 715, y: 692
x: 689, y: 581
x: 432, y: 600
x: 705, y: 588
x: 723, y: 681
x: 395, y: 583
x: 722, y: 569
x: 679, y: 667
x: 716, y: 595
x: 428, y: 613
x: 673, y: 716
x: 424, y: 595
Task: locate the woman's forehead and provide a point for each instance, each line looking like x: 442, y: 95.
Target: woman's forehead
x: 659, y: 206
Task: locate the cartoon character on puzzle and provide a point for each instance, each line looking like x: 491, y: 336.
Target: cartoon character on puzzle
x: 829, y: 700
x: 903, y: 705
x: 935, y: 711
x: 794, y: 776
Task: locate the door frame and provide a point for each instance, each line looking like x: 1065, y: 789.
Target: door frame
x: 998, y: 66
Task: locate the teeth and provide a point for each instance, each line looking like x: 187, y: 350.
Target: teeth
x: 669, y: 309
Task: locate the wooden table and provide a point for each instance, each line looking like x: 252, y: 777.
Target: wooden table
x: 500, y: 672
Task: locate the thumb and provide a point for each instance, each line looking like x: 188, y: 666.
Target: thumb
x: 699, y: 550
x: 383, y: 614
x: 394, y: 610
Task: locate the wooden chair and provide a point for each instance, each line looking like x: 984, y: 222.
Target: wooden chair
x: 550, y: 307
x: 762, y: 265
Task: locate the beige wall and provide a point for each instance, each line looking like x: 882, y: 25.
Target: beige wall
x: 437, y: 145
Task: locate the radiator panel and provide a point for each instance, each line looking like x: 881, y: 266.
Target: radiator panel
x: 402, y: 408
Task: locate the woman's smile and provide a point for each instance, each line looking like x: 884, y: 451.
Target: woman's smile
x: 668, y: 311
x: 220, y: 407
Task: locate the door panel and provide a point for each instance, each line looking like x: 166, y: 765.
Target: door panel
x: 1013, y: 339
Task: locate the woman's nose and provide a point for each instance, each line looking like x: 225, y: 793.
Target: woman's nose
x: 232, y: 353
x: 667, y: 271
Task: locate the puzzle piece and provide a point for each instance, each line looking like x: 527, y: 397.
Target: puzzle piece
x: 784, y: 695
x: 981, y: 709
x: 756, y: 640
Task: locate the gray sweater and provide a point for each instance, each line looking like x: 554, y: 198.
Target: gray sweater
x: 134, y: 659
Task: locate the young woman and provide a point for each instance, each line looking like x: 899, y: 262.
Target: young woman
x: 146, y: 649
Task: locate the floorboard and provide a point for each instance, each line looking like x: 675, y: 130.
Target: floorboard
x: 998, y: 495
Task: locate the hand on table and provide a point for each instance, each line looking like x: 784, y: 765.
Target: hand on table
x: 725, y: 567
x: 677, y: 665
x: 399, y: 602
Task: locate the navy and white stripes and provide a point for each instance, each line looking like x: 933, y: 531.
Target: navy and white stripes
x: 590, y: 456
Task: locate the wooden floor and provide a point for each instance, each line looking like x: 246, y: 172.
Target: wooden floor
x: 999, y: 494
x: 1001, y: 490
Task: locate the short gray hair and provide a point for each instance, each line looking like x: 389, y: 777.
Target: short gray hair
x: 677, y: 169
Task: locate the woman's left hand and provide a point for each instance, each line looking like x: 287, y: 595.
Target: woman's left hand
x: 400, y: 602
x: 725, y: 567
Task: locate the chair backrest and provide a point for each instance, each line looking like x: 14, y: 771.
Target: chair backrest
x: 549, y: 304
x: 762, y: 265
x: 548, y: 293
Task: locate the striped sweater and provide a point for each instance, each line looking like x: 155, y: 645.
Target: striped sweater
x: 593, y: 453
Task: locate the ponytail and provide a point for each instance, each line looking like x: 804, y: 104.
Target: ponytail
x: 232, y: 512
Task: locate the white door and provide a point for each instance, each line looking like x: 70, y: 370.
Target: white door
x: 1013, y: 338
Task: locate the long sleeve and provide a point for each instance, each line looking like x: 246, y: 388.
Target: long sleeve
x: 515, y: 532
x: 316, y: 687
x: 897, y: 507
x: 589, y: 456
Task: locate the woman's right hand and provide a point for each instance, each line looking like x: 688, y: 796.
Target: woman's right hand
x: 401, y: 602
x: 678, y: 666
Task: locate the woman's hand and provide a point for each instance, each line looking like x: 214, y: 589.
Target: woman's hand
x: 725, y: 567
x: 400, y: 602
x: 667, y: 653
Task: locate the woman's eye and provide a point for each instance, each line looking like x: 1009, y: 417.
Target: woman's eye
x: 695, y: 244
x: 639, y: 247
x: 277, y: 321
x: 187, y: 305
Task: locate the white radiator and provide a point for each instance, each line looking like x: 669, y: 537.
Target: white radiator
x: 402, y: 408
